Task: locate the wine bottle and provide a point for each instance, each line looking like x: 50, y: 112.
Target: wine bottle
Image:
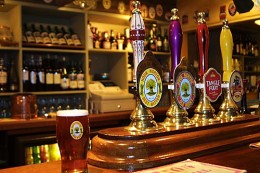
x: 64, y: 75
x: 112, y: 39
x: 25, y: 76
x: 45, y: 35
x: 165, y: 41
x: 159, y: 44
x: 52, y: 35
x: 3, y: 75
x: 32, y: 74
x: 67, y: 37
x: 37, y: 35
x: 40, y: 74
x: 60, y: 36
x: 73, y: 77
x: 49, y: 73
x: 13, y: 78
x: 75, y: 37
x: 28, y: 34
x: 56, y: 74
x: 80, y: 78
x: 151, y: 41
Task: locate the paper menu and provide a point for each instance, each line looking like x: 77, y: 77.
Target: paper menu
x: 190, y: 166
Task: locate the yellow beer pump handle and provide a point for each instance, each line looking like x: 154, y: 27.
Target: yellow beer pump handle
x: 226, y: 46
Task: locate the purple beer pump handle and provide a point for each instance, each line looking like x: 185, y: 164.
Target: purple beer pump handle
x: 175, y: 40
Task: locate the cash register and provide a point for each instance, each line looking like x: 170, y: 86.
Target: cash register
x: 105, y: 96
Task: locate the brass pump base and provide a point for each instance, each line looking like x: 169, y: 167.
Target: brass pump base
x: 176, y: 116
x: 142, y: 119
x: 228, y: 110
x: 204, y: 113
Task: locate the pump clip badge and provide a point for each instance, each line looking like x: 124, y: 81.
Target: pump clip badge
x: 236, y: 86
x: 76, y: 130
x: 149, y: 81
x: 212, y: 84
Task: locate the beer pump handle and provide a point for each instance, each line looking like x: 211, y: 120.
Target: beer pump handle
x: 203, y: 44
x: 137, y: 35
x: 226, y: 46
x: 175, y: 40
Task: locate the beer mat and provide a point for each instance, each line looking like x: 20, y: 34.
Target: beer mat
x: 254, y: 145
x: 190, y: 166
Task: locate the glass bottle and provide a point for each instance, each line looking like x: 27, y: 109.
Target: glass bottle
x: 13, y: 78
x: 49, y: 73
x: 56, y: 74
x: 40, y: 74
x: 28, y: 34
x: 25, y: 75
x: 165, y: 41
x: 60, y: 36
x: 52, y: 35
x: 32, y: 74
x: 75, y: 37
x: 159, y: 44
x: 45, y: 36
x: 3, y: 75
x: 37, y: 35
x: 64, y: 75
x: 73, y: 77
x: 67, y: 37
x: 80, y: 78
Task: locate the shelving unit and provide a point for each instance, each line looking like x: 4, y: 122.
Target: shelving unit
x: 114, y: 62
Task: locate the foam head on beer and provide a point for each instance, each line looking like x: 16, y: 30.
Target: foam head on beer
x: 73, y: 112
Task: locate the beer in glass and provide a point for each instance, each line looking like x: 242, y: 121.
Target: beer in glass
x: 72, y: 133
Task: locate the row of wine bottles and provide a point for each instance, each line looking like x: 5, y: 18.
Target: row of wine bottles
x: 245, y: 44
x: 46, y: 72
x: 154, y: 40
x: 47, y: 34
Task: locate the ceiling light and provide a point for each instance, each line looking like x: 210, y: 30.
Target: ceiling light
x: 257, y: 21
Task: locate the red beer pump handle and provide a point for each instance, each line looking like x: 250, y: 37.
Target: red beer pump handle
x: 203, y: 44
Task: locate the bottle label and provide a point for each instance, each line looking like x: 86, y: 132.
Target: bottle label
x: 46, y: 38
x: 159, y: 43
x: 106, y: 45
x: 38, y: 38
x: 76, y: 40
x: 65, y: 83
x: 57, y: 78
x: 25, y: 75
x: 29, y: 36
x: 41, y: 77
x: 54, y: 39
x: 73, y: 81
x: 3, y: 77
x: 81, y: 81
x: 33, y: 77
x: 68, y: 39
x: 49, y: 78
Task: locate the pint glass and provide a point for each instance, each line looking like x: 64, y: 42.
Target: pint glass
x: 72, y: 133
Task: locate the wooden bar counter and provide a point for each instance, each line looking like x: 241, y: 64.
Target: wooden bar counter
x: 241, y: 157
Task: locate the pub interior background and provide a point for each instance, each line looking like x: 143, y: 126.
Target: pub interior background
x: 32, y: 141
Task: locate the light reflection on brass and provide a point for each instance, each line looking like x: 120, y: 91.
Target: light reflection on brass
x: 228, y: 110
x: 176, y: 116
x: 142, y: 119
x: 204, y: 113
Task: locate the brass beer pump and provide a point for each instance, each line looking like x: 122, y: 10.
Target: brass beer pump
x: 176, y: 116
x: 228, y: 110
x: 141, y: 117
x: 204, y: 113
